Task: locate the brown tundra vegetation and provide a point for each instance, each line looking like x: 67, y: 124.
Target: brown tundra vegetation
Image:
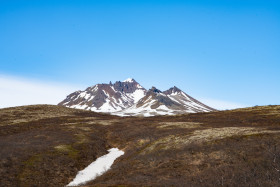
x: 45, y: 145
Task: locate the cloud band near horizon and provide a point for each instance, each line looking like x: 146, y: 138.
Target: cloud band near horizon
x: 17, y: 91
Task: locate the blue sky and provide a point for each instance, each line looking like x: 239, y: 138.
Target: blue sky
x: 223, y: 51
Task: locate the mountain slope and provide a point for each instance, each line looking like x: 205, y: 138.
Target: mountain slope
x: 129, y: 98
x: 106, y: 97
x: 187, y: 101
x: 169, y: 102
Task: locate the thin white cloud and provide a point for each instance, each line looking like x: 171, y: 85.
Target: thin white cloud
x: 16, y: 91
x: 221, y: 105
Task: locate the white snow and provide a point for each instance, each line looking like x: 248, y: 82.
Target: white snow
x: 106, y: 107
x: 77, y: 97
x: 186, y: 96
x: 127, y: 99
x: 173, y: 99
x: 147, y: 115
x: 93, y: 108
x: 105, y: 93
x: 145, y: 110
x: 139, y: 86
x: 95, y: 88
x: 137, y: 95
x: 96, y: 168
x: 85, y: 95
x: 91, y: 98
x: 163, y: 107
x: 113, y: 88
x: 128, y: 80
x: 79, y: 106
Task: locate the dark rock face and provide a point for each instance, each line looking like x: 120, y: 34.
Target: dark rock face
x: 172, y: 90
x: 155, y: 90
x: 127, y: 87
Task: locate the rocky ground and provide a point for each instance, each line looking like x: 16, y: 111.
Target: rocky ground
x: 46, y: 145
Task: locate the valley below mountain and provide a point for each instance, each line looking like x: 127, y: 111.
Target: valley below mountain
x: 46, y: 145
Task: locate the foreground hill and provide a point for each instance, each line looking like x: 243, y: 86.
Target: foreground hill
x: 46, y: 145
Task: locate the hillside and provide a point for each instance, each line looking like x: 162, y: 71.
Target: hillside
x: 45, y: 145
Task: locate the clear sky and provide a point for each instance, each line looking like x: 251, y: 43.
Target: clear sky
x: 224, y: 52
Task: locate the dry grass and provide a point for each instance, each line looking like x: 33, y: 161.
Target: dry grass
x: 205, y: 135
x: 46, y: 145
x: 171, y: 125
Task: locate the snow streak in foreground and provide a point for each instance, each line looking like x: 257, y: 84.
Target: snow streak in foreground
x: 97, y: 168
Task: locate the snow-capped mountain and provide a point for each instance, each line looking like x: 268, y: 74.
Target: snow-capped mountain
x: 169, y: 102
x: 106, y: 97
x: 129, y: 98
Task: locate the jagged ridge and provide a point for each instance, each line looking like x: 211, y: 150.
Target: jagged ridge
x: 130, y: 98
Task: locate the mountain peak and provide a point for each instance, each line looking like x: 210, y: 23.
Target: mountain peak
x: 172, y: 90
x: 176, y: 88
x: 129, y: 80
x: 155, y: 90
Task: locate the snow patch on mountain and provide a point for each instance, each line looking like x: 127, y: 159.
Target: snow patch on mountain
x: 137, y: 95
x: 128, y: 80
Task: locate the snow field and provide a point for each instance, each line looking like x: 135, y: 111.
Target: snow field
x: 96, y: 168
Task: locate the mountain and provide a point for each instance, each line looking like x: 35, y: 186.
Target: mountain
x: 106, y: 97
x: 129, y: 98
x: 169, y: 102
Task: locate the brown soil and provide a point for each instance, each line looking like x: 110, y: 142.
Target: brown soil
x: 46, y: 145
